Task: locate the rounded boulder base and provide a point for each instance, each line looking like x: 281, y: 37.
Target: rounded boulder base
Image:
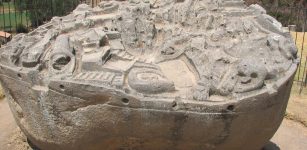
x: 251, y: 121
x: 151, y: 75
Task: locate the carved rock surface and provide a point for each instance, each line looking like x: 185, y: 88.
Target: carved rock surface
x: 151, y: 75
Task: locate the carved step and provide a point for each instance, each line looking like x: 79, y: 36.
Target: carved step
x: 118, y: 81
x: 95, y: 76
x: 233, y: 4
x: 237, y: 12
x: 144, y: 60
x: 123, y: 54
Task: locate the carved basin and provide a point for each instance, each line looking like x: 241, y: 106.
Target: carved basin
x: 151, y: 75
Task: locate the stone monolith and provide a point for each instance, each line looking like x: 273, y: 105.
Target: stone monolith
x: 151, y: 75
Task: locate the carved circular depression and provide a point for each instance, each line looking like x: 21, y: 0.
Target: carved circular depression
x: 125, y: 101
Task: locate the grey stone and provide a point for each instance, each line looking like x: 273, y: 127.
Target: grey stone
x: 153, y: 75
x: 257, y: 8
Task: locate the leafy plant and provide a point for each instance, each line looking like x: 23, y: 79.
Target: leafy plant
x: 21, y: 28
x: 43, y: 10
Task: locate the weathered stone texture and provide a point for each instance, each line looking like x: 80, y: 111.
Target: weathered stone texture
x: 151, y: 75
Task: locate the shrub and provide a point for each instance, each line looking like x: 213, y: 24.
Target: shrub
x: 21, y: 28
x: 1, y: 93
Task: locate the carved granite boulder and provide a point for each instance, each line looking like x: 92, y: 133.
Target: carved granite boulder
x: 151, y: 75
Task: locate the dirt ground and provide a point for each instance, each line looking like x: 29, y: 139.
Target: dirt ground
x: 297, y: 106
x: 290, y: 136
x: 11, y: 137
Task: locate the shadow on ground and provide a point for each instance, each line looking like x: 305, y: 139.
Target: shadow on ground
x: 271, y: 146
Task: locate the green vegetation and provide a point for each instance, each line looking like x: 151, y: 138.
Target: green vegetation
x: 8, y: 5
x: 1, y: 93
x: 279, y: 3
x: 302, y: 52
x: 288, y: 12
x: 42, y: 10
x: 31, y: 14
x: 298, y: 36
x: 21, y: 28
x: 12, y: 20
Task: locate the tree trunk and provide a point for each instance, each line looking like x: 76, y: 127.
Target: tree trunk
x: 276, y: 3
